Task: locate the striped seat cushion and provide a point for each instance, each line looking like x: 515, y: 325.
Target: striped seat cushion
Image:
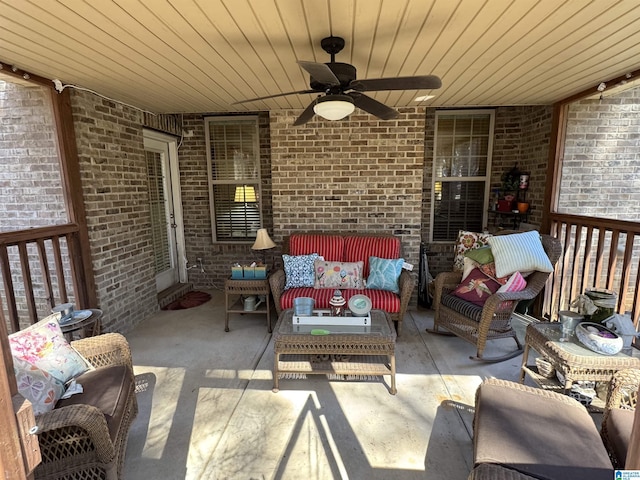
x: 468, y: 309
x: 361, y: 247
x: 380, y: 299
x: 331, y: 247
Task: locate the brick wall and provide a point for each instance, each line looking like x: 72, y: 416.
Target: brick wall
x: 114, y: 177
x: 602, y: 156
x: 359, y: 175
x: 521, y: 137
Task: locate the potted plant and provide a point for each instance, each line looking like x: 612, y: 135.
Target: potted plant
x: 510, y: 182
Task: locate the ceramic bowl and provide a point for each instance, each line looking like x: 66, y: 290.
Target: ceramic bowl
x: 599, y: 338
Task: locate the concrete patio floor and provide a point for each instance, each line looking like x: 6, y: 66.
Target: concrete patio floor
x: 207, y: 410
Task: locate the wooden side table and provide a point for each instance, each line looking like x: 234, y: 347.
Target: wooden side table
x: 89, y: 327
x: 243, y: 288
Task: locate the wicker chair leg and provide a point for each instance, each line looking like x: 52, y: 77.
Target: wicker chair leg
x: 501, y: 358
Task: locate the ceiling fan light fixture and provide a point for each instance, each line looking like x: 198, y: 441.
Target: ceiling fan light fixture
x: 334, y: 107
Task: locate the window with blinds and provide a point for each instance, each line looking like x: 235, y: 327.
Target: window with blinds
x: 158, y: 203
x: 233, y: 161
x: 461, y: 172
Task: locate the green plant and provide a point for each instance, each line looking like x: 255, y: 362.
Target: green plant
x: 511, y: 180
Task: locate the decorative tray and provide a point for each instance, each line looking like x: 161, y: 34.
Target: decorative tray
x: 76, y: 317
x: 323, y: 317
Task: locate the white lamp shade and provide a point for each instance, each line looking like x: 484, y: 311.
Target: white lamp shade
x: 334, y: 107
x: 263, y: 241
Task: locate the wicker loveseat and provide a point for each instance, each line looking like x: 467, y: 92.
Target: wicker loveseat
x: 526, y: 433
x: 347, y: 248
x: 85, y: 436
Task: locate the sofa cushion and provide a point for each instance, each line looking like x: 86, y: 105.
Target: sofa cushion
x: 361, y: 247
x: 538, y: 435
x: 298, y: 270
x: 106, y: 388
x: 338, y: 274
x: 380, y: 299
x: 330, y: 247
x: 384, y: 273
x: 619, y: 424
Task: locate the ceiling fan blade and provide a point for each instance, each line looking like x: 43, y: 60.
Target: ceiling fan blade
x: 424, y: 82
x: 320, y: 72
x: 373, y: 107
x: 274, y: 96
x: 306, y: 115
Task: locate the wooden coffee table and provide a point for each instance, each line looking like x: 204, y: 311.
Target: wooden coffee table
x: 357, y: 351
x: 574, y: 361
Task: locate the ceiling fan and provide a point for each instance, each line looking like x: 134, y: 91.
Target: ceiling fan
x: 340, y: 91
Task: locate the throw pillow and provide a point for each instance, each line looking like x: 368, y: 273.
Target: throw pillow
x: 467, y: 241
x: 384, y: 273
x: 468, y: 266
x: 519, y: 252
x: 516, y: 283
x: 476, y: 288
x: 44, y: 346
x: 338, y: 274
x: 482, y: 255
x: 37, y: 386
x: 298, y: 270
x: 489, y: 269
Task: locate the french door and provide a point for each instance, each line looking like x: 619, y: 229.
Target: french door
x: 166, y: 212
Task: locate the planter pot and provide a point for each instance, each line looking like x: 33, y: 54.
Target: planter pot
x: 523, y: 207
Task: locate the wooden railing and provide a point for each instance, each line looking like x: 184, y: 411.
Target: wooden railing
x: 597, y: 253
x: 40, y: 267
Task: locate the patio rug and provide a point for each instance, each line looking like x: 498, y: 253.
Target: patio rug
x: 189, y: 300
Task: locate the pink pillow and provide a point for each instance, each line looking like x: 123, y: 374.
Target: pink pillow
x: 516, y: 283
x: 476, y: 288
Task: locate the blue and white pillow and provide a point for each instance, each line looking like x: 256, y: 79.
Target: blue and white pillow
x: 298, y: 270
x: 384, y: 273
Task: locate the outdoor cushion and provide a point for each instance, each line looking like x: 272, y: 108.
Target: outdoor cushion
x: 619, y: 424
x: 467, y: 241
x: 384, y: 273
x: 361, y: 247
x: 37, y: 386
x: 476, y: 287
x: 299, y: 270
x: 468, y: 309
x: 537, y: 435
x: 338, y: 274
x: 330, y: 247
x: 107, y: 389
x: 519, y: 252
x: 380, y: 299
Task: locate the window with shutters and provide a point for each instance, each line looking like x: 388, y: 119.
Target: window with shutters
x: 233, y: 161
x: 461, y: 172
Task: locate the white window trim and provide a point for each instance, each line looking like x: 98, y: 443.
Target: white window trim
x: 486, y: 178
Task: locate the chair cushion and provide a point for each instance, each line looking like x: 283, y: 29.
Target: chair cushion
x: 106, y: 388
x: 361, y: 247
x: 457, y: 304
x: 619, y: 424
x: 539, y: 436
x: 331, y: 247
x: 380, y: 299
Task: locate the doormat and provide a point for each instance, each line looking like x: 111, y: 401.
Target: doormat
x: 189, y: 300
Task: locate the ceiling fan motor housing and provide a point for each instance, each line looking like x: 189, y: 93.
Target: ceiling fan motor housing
x: 346, y: 74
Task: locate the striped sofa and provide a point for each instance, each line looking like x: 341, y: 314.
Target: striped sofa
x: 347, y: 248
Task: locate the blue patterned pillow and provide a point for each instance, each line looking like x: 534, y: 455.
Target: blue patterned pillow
x: 384, y: 273
x: 298, y: 270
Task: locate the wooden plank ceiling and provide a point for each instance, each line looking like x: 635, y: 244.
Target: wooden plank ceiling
x: 203, y: 55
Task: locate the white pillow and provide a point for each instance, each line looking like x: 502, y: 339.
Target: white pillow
x: 519, y: 252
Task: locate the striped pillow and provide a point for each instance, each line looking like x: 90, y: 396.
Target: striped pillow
x: 519, y: 252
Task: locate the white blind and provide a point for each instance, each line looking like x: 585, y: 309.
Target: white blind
x: 158, y: 204
x: 234, y: 167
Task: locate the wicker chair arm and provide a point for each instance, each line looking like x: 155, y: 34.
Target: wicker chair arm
x: 623, y: 389
x: 105, y: 350
x: 65, y: 426
x: 406, y: 283
x: 276, y: 282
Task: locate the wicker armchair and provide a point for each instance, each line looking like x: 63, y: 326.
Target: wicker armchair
x: 76, y: 441
x: 492, y: 321
x: 617, y: 420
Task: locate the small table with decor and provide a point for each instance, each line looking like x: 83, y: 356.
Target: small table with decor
x: 243, y: 288
x: 299, y: 351
x: 574, y: 361
x: 83, y: 323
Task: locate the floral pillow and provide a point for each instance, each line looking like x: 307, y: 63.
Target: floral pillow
x: 476, y: 288
x: 37, y: 386
x: 298, y: 270
x: 467, y: 241
x: 384, y: 273
x: 338, y: 274
x: 44, y: 346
